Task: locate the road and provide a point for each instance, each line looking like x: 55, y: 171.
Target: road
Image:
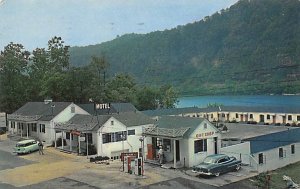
x: 69, y: 171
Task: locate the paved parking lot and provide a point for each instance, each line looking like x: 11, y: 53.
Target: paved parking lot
x: 59, y: 170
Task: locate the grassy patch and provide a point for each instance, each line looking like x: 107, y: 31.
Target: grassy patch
x: 276, y: 181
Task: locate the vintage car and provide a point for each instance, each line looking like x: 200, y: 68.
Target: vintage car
x: 217, y: 164
x: 26, y: 146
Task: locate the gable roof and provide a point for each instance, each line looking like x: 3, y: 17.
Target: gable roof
x: 171, y: 111
x: 131, y: 119
x: 175, y: 126
x: 113, y: 108
x: 81, y: 122
x: 92, y: 122
x: 33, y: 111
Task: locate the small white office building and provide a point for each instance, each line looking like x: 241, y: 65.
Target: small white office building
x: 185, y: 141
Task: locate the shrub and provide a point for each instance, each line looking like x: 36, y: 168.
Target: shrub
x: 99, y: 158
x: 277, y: 124
x: 288, y: 124
x: 298, y: 124
x: 2, y: 132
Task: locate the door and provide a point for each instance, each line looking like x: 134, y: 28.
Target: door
x: 177, y: 151
x: 216, y: 144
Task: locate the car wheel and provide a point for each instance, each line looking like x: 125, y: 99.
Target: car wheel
x: 217, y: 174
x: 238, y: 167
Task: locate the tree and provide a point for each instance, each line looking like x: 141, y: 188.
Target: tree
x: 55, y: 82
x: 38, y: 72
x: 168, y: 97
x: 147, y: 98
x: 13, y: 77
x: 58, y: 54
x: 121, y: 89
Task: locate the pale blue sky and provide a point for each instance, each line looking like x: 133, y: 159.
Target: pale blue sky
x: 86, y: 22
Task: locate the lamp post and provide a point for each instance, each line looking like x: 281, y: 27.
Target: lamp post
x: 142, y: 149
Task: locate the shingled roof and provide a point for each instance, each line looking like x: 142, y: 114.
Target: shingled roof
x: 174, y: 126
x: 92, y: 122
x: 33, y: 111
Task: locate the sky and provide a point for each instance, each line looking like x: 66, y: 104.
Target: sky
x: 86, y: 22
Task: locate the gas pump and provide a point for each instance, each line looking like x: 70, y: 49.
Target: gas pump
x: 138, y: 166
x: 128, y: 161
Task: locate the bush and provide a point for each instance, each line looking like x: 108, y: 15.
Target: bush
x: 287, y: 124
x: 99, y: 158
x: 2, y: 132
x: 277, y: 124
x: 298, y: 124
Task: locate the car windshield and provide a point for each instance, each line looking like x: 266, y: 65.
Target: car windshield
x: 209, y: 160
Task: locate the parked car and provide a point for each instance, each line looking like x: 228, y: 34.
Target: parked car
x: 217, y: 164
x: 26, y: 146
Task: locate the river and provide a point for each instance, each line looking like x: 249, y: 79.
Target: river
x: 248, y: 100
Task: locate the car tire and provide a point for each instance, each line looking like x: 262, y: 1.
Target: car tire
x: 238, y: 167
x: 217, y: 174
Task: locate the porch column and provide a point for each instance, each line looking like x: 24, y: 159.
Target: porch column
x: 79, y: 151
x: 174, y: 153
x: 55, y: 144
x: 70, y: 142
x: 27, y: 129
x: 62, y: 139
x: 21, y: 125
x: 87, y: 145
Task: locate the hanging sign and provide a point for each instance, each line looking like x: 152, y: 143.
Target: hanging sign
x: 75, y: 132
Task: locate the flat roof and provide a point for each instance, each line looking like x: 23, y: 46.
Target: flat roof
x: 246, y: 131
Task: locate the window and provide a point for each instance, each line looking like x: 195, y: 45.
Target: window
x: 167, y: 145
x: 106, y: 138
x: 251, y: 116
x: 112, y: 137
x: 223, y: 160
x: 131, y: 132
x: 42, y: 128
x: 236, y: 115
x: 33, y: 126
x: 293, y: 149
x: 200, y: 146
x: 268, y: 116
x: 111, y: 122
x: 280, y: 152
x: 212, y: 116
x: 260, y: 158
x: 290, y: 117
x: 205, y: 126
x: 298, y: 118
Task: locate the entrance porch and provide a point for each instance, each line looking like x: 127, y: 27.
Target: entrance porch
x: 166, y: 142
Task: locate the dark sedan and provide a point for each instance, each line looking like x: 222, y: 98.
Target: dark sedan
x: 217, y: 164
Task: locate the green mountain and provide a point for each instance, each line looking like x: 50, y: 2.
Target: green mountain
x: 253, y: 47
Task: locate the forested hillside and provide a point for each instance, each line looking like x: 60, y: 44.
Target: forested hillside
x: 253, y: 47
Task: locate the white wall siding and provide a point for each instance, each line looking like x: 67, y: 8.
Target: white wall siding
x: 272, y: 160
x: 239, y: 151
